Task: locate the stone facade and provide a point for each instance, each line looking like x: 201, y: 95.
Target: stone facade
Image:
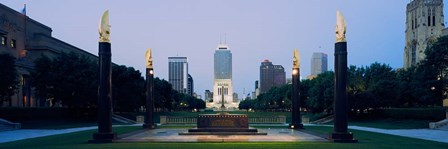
x: 27, y: 40
x: 424, y: 24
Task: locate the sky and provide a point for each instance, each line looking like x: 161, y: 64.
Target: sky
x: 255, y: 30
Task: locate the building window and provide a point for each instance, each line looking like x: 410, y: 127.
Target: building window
x: 433, y: 17
x: 13, y: 43
x: 4, y: 41
x: 429, y: 20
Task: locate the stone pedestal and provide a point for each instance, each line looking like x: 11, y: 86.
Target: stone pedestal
x: 223, y: 124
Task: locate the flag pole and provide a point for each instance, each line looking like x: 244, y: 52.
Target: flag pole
x: 26, y: 20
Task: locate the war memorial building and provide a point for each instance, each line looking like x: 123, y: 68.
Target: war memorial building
x: 27, y: 40
x: 424, y: 24
x: 222, y: 86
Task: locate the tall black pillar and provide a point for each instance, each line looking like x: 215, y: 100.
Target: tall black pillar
x: 340, y: 132
x: 295, y: 97
x: 149, y: 118
x: 104, y: 134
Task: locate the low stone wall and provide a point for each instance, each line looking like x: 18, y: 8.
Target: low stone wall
x: 439, y: 124
x: 7, y: 125
x: 193, y: 120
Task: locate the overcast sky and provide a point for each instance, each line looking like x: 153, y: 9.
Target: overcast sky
x: 255, y: 30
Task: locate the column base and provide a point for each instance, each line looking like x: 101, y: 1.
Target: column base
x: 343, y: 137
x: 295, y: 126
x: 103, y: 137
x: 149, y: 126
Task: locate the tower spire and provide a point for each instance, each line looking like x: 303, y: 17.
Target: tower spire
x: 225, y: 38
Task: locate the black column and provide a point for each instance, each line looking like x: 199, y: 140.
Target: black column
x: 149, y: 118
x: 295, y: 97
x: 104, y: 133
x: 340, y: 133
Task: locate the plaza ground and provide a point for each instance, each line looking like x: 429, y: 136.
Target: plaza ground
x: 78, y: 139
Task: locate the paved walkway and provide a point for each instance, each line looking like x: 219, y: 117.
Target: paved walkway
x: 172, y: 135
x: 426, y: 134
x: 21, y: 134
x: 439, y: 135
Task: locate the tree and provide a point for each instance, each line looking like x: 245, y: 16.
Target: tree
x: 8, y: 78
x: 128, y: 89
x: 434, y: 72
x: 321, y: 93
x: 69, y: 79
x: 163, y: 96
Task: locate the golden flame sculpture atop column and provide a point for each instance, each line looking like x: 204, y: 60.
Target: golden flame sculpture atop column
x: 148, y: 57
x: 341, y: 27
x: 104, y: 27
x: 296, y: 59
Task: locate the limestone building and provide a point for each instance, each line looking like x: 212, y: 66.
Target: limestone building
x: 27, y: 40
x: 424, y: 24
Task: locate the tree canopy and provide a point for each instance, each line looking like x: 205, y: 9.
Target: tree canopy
x: 8, y: 78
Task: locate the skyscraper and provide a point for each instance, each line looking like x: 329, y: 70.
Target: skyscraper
x: 223, y: 78
x: 319, y: 63
x: 424, y: 24
x: 271, y: 75
x: 190, y: 85
x: 178, y: 73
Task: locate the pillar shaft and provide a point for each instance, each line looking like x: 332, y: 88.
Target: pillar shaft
x: 295, y: 98
x: 105, y: 133
x: 340, y: 92
x: 149, y: 118
x: 340, y: 131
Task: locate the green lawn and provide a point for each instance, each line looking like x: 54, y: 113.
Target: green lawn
x: 366, y: 140
x: 392, y: 123
x: 59, y: 123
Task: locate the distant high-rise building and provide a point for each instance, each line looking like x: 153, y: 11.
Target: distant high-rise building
x: 235, y: 97
x: 190, y: 85
x: 319, y: 63
x: 223, y: 78
x: 208, y: 95
x: 257, y: 89
x: 270, y: 76
x: 256, y: 84
x: 424, y: 24
x: 178, y: 73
